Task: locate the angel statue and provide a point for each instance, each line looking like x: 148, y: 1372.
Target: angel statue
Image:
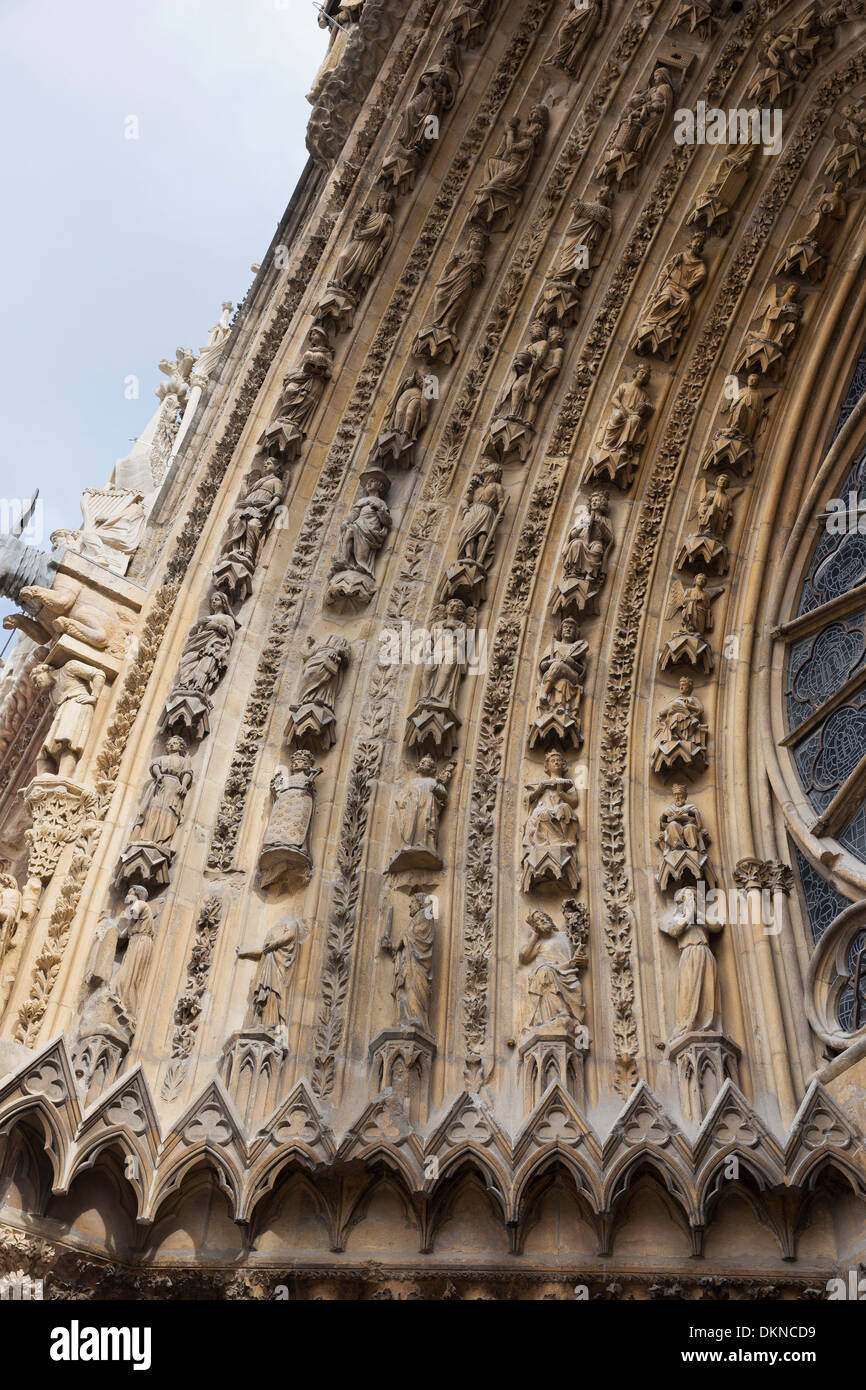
x: 715, y: 514
x: 687, y: 645
x: 732, y: 445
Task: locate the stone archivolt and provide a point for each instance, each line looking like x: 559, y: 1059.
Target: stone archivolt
x: 368, y: 852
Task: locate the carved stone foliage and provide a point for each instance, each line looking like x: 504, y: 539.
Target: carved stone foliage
x: 580, y: 252
x: 407, y: 415
x: 418, y: 806
x: 687, y: 645
x: 668, y: 311
x: 363, y: 532
x: 150, y: 849
x: 285, y: 847
x: 495, y: 203
x: 643, y: 116
x: 683, y: 841
x: 561, y: 679
x: 190, y: 1002
x: 202, y: 665
x: 533, y: 371
x: 312, y: 721
x: 438, y: 338
x: 623, y: 434
x: 680, y: 742
x: 551, y: 829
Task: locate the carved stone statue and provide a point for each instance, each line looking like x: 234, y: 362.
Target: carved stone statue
x: 148, y: 855
x: 10, y: 915
x: 698, y: 1008
x: 363, y: 532
x: 683, y: 841
x: 301, y: 392
x: 786, y: 58
x: 497, y: 200
x: 561, y: 677
x: 412, y: 953
x: 406, y: 418
x: 715, y: 514
x: 268, y: 1003
x: 554, y: 986
x: 418, y: 805
x: 482, y: 513
x: 713, y: 208
x: 533, y: 370
x: 695, y: 17
x: 372, y: 233
x: 551, y: 829
x: 766, y: 350
x: 624, y: 434
x: 178, y: 373
x: 74, y: 689
x: 312, y: 722
x: 732, y: 446
x: 642, y: 118
x: 807, y: 256
x: 468, y: 24
x: 580, y: 252
x: 847, y: 159
x: 687, y: 645
x: 73, y: 608
x: 433, y: 721
x: 463, y: 271
x: 681, y: 733
x: 201, y: 667
x: 113, y: 522
x: 135, y: 932
x: 285, y: 847
x: 248, y: 526
x: 435, y: 93
x: 575, y: 34
x: 668, y: 312
x: 583, y: 559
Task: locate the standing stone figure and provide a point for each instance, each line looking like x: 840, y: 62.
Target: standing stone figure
x: 497, y: 200
x: 406, y: 418
x: 695, y: 17
x: 268, y: 1002
x: 551, y: 829
x: 715, y: 514
x: 578, y: 255
x: 312, y: 722
x: 302, y: 389
x: 363, y: 532
x: 438, y: 338
x: 583, y: 559
x: 766, y: 350
x: 147, y: 857
x: 435, y: 93
x: 847, y: 159
x: 687, y: 645
x: 74, y: 689
x: 575, y: 34
x: 468, y: 24
x: 372, y: 233
x: 135, y: 933
x: 286, y: 844
x: 681, y: 733
x: 624, y: 434
x: 554, y: 986
x: 418, y: 805
x: 248, y: 526
x: 683, y: 842
x: 433, y: 721
x: 11, y: 903
x: 532, y: 371
x: 644, y: 115
x: 561, y: 676
x: 732, y: 446
x: 808, y: 255
x: 200, y: 669
x: 714, y: 207
x: 668, y: 311
x: 484, y: 509
x: 413, y: 965
x: 698, y: 1008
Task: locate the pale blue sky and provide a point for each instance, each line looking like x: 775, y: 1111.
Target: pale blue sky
x: 118, y: 251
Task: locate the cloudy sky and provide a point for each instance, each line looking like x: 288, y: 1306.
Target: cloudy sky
x: 119, y: 250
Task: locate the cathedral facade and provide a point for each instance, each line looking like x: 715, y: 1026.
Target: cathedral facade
x: 432, y: 805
